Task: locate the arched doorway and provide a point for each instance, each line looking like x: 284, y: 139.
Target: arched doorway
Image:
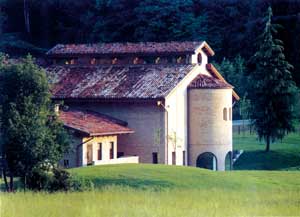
x: 228, y: 161
x: 207, y: 160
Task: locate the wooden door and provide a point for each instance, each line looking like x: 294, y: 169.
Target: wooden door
x: 89, y: 154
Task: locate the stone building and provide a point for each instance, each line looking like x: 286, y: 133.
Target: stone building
x: 143, y: 102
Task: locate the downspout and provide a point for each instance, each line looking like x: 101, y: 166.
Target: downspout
x: 159, y: 103
x: 167, y: 134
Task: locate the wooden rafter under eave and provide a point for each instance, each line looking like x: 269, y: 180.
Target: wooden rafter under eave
x: 210, y: 67
x: 207, y: 49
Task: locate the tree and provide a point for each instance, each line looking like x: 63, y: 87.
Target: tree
x: 272, y: 90
x: 234, y: 72
x: 31, y: 134
x: 26, y: 16
x: 168, y: 20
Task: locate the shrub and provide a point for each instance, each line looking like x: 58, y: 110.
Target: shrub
x: 81, y: 184
x: 54, y: 179
x: 61, y: 180
x: 37, y: 179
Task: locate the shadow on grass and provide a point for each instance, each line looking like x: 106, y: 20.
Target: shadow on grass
x: 104, y: 182
x: 130, y: 182
x: 272, y: 160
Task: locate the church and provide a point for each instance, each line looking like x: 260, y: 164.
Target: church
x: 146, y: 102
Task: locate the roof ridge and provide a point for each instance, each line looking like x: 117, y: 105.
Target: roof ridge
x: 126, y: 47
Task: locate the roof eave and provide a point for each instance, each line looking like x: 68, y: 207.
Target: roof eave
x: 207, y: 49
x: 189, y: 88
x: 120, y: 99
x: 76, y: 129
x: 99, y: 134
x: 210, y: 67
x: 112, y: 133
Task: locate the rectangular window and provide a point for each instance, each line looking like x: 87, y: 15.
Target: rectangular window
x: 225, y: 114
x: 154, y: 158
x: 89, y: 154
x: 66, y: 163
x: 111, y: 151
x: 100, y: 151
x: 183, y: 158
x: 120, y: 154
x: 173, y: 158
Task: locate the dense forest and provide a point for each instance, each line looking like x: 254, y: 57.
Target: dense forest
x: 231, y: 27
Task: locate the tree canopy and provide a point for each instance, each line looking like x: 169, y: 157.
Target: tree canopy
x: 31, y: 133
x: 229, y: 26
x: 273, y: 91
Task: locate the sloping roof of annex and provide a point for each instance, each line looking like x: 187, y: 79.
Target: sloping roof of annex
x: 93, y: 123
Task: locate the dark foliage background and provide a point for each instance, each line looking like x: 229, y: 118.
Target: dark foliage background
x: 229, y: 26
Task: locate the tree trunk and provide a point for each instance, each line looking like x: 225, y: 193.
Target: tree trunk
x: 11, y: 182
x: 25, y: 182
x: 26, y: 17
x: 5, y: 179
x: 268, y: 144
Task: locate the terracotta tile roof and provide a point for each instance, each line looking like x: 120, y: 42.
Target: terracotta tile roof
x: 93, y: 123
x: 125, y: 48
x: 210, y: 67
x: 115, y: 82
x: 205, y: 81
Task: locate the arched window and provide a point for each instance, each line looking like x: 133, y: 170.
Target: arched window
x: 199, y: 58
x: 225, y: 114
x: 136, y: 60
x: 93, y: 61
x: 228, y: 161
x: 114, y: 61
x: 207, y: 160
x: 180, y: 60
x: 157, y: 60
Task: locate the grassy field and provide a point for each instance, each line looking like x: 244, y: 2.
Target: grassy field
x: 159, y: 190
x: 284, y: 155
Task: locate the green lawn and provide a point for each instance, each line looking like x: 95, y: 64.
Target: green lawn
x: 284, y: 155
x: 160, y: 190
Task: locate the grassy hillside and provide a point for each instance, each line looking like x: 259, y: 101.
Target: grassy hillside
x: 284, y: 155
x: 145, y: 176
x: 159, y: 190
